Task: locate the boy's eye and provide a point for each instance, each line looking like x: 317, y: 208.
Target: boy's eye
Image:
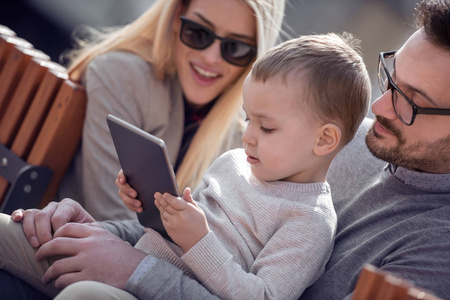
x: 266, y: 130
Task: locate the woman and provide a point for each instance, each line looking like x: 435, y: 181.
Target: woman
x: 176, y: 72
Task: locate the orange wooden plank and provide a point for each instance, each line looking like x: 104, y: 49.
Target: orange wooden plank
x: 417, y: 293
x: 21, y: 99
x: 392, y: 288
x: 12, y: 72
x: 38, y: 110
x: 368, y: 283
x: 7, y: 43
x: 4, y: 186
x: 60, y: 135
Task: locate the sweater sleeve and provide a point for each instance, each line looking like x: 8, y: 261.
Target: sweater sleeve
x: 158, y: 279
x: 423, y: 262
x: 292, y: 259
x: 128, y: 230
x: 424, y: 259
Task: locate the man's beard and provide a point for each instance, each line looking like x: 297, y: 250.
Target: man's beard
x: 420, y: 156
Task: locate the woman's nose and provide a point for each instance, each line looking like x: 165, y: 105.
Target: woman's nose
x: 212, y: 54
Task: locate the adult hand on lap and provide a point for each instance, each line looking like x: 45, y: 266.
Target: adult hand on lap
x: 91, y: 253
x: 38, y: 225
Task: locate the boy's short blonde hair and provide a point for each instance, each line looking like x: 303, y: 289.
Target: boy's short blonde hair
x: 337, y: 84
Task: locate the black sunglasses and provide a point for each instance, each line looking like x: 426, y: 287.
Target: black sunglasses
x: 199, y: 37
x: 404, y: 108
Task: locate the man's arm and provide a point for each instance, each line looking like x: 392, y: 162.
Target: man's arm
x: 158, y: 279
x: 95, y: 254
x: 128, y: 230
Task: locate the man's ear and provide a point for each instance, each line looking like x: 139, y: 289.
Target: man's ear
x: 328, y: 139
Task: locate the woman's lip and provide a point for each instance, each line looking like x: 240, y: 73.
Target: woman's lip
x: 379, y: 129
x: 202, y: 80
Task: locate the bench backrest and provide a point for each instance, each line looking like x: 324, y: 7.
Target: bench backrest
x: 41, y: 120
x: 375, y: 284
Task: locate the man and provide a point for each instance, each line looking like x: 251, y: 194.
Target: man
x: 401, y: 222
x: 398, y: 220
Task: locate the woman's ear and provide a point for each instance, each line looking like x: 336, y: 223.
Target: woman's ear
x: 329, y: 138
x: 179, y: 11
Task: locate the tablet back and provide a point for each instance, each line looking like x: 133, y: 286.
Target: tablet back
x: 145, y: 162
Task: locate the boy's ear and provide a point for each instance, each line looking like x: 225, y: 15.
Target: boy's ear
x: 329, y: 137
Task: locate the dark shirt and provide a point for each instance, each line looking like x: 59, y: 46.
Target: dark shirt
x: 192, y: 120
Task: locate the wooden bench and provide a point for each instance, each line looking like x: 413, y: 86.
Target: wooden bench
x: 41, y: 119
x: 375, y: 284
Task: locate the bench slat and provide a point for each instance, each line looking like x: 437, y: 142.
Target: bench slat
x: 39, y: 108
x: 12, y: 72
x: 20, y: 101
x: 60, y: 135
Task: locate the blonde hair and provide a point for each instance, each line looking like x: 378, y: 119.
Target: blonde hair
x: 151, y: 37
x: 337, y: 83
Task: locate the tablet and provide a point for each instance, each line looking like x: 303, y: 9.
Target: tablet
x: 145, y: 162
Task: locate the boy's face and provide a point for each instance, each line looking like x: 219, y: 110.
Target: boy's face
x: 280, y: 135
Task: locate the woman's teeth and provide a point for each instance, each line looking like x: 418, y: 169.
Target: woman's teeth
x: 205, y: 73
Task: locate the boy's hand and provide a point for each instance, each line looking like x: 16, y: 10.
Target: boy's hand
x: 184, y: 221
x: 127, y: 193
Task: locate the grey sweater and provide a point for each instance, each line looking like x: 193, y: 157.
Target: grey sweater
x: 397, y: 224
x: 268, y: 240
x: 388, y: 219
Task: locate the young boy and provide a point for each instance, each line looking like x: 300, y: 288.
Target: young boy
x: 263, y: 222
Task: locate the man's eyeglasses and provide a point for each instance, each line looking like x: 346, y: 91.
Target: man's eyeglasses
x: 199, y: 37
x: 405, y: 109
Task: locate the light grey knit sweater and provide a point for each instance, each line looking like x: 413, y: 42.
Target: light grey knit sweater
x: 268, y: 240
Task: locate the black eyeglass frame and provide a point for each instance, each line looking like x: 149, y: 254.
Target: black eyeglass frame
x: 391, y: 85
x: 253, y: 49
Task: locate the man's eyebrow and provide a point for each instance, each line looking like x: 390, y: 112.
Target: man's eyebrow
x: 420, y: 92
x: 235, y: 35
x: 414, y: 89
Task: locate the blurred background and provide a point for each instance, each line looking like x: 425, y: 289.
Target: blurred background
x: 381, y: 25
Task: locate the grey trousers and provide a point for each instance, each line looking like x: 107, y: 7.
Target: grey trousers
x: 17, y: 259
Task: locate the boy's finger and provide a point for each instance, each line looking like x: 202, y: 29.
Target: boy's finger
x: 160, y: 207
x: 166, y: 205
x: 160, y: 202
x: 175, y: 203
x: 187, y: 195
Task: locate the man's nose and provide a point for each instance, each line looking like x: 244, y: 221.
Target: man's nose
x: 383, y: 106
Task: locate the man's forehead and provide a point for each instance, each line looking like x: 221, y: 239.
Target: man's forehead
x: 425, y: 67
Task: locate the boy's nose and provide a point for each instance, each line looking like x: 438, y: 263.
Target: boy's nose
x: 248, y: 138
